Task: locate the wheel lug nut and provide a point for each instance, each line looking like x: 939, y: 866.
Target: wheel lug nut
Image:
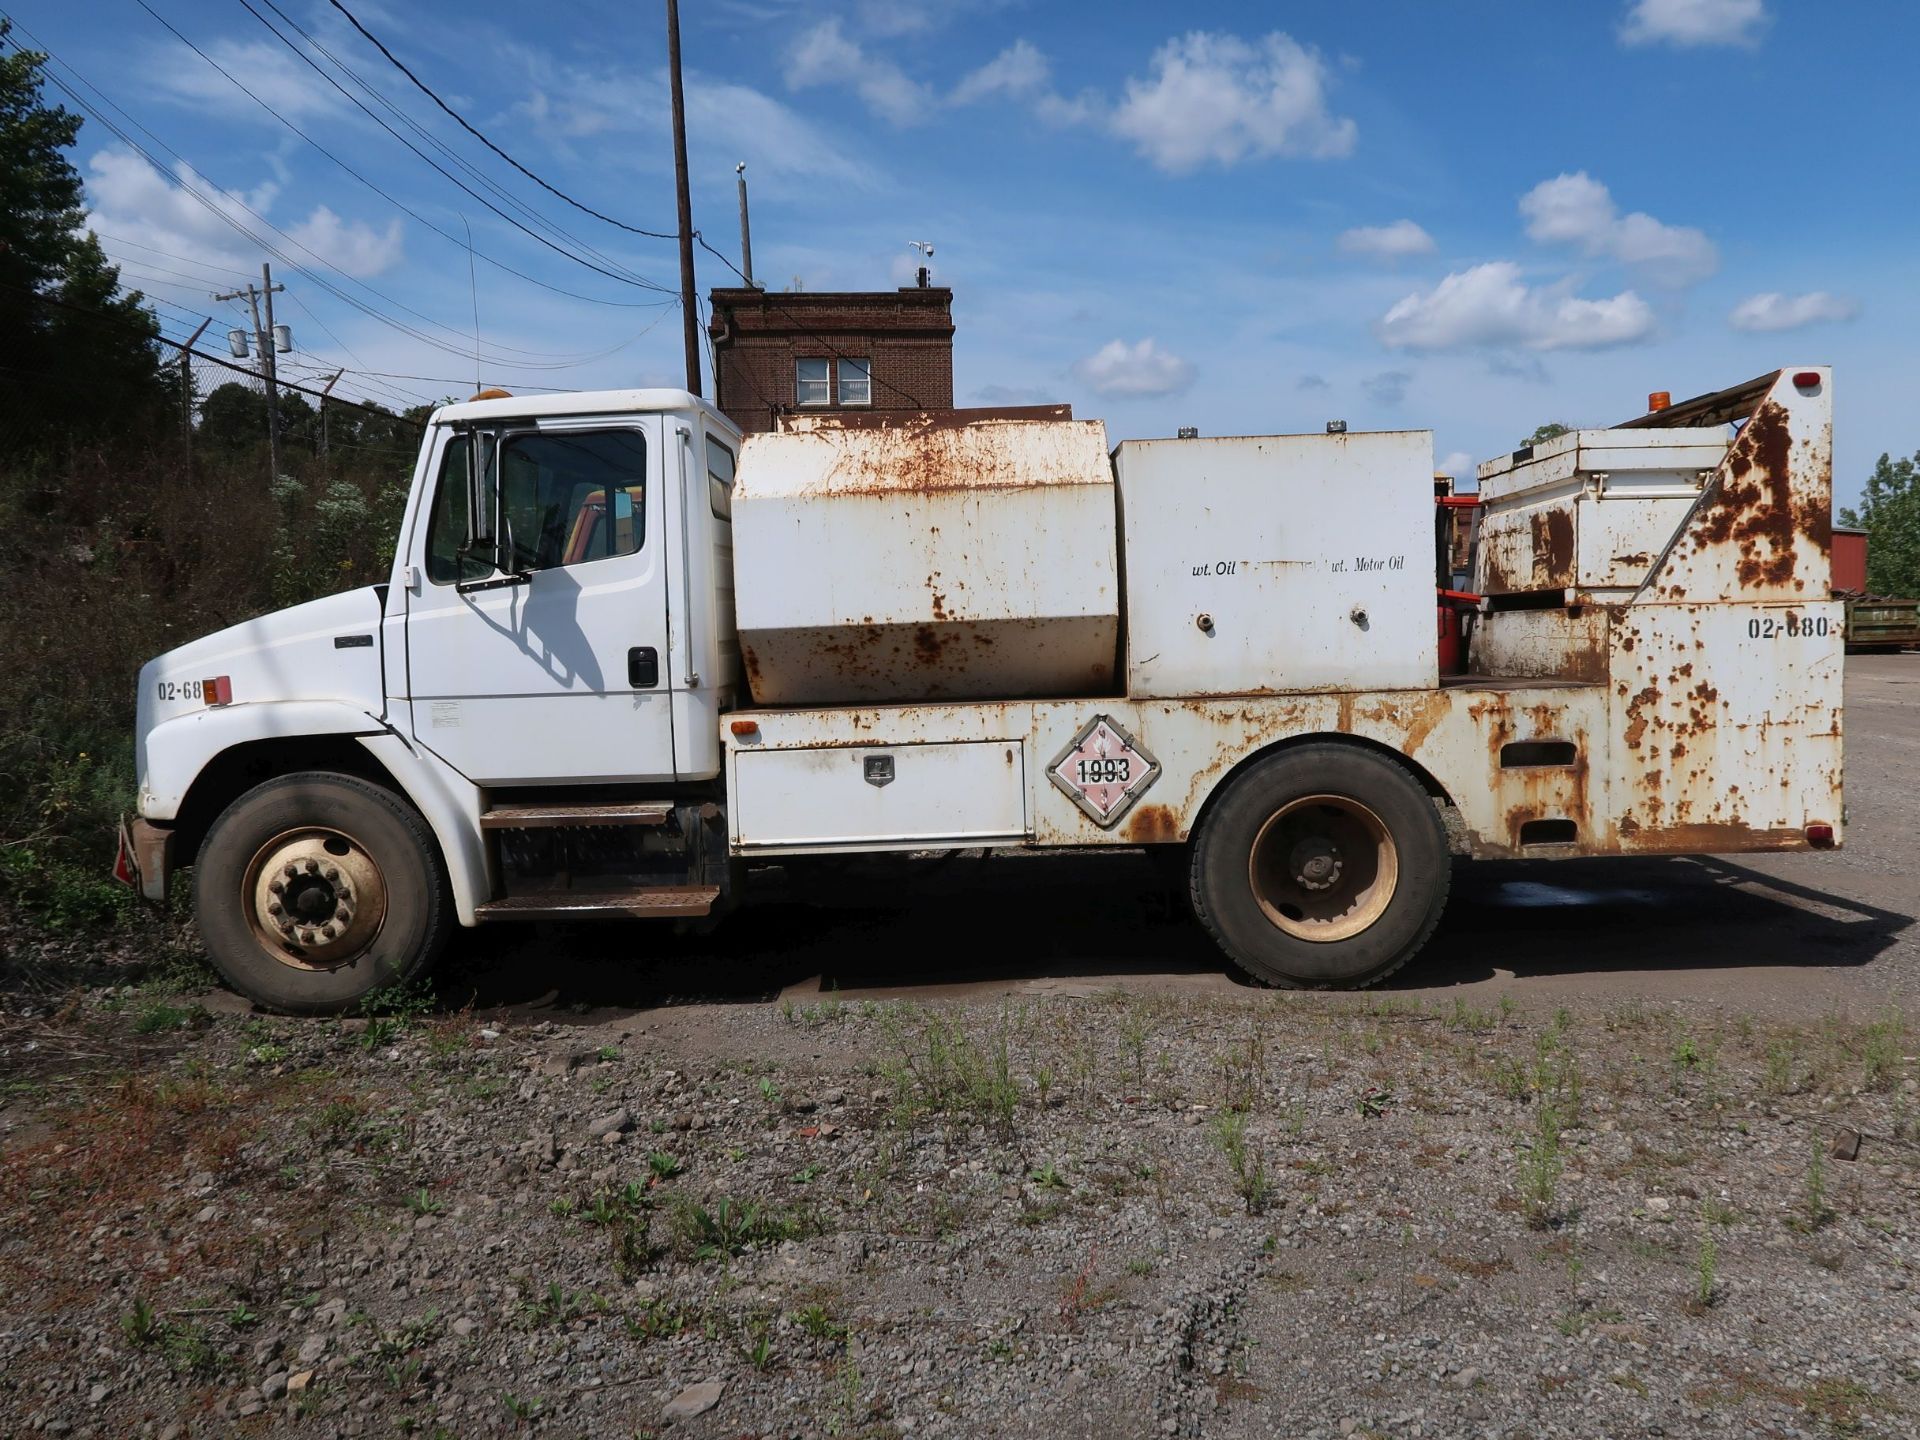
x: 343, y: 915
x: 328, y: 933
x: 291, y: 869
x: 278, y: 887
x: 313, y: 867
x: 276, y: 908
x: 332, y: 872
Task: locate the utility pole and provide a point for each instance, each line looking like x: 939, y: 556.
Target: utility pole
x: 689, y: 313
x: 263, y: 341
x: 326, y: 390
x: 746, y: 235
x: 186, y: 382
x: 273, y: 373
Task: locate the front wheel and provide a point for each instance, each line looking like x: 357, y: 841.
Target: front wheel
x: 315, y: 890
x: 1321, y: 867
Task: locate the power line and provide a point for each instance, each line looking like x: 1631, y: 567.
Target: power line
x: 461, y: 349
x: 398, y: 204
x: 462, y: 122
x: 480, y: 177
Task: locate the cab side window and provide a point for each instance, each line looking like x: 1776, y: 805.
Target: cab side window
x: 447, y: 525
x: 719, y: 479
x: 566, y: 499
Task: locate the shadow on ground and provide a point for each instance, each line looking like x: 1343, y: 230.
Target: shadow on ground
x: 975, y: 923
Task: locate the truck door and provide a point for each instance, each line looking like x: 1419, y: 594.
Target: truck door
x: 545, y: 661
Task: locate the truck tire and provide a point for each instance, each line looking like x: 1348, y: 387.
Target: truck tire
x: 1322, y: 867
x: 315, y: 890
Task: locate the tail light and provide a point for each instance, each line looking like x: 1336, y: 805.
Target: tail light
x: 218, y: 690
x: 1807, y: 380
x: 1820, y: 837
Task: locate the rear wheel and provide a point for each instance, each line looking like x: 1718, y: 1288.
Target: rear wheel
x: 315, y: 890
x: 1324, y: 866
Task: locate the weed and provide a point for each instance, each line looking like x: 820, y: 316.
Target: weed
x: 140, y: 1324
x: 1048, y: 1177
x: 658, y: 1319
x: 1818, y: 1212
x: 815, y: 1320
x: 157, y: 1015
x: 1718, y: 1212
x: 520, y: 1410
x: 1043, y: 1084
x: 1705, y: 1266
x: 1540, y: 1166
x: 732, y: 1227
x: 943, y: 1068
x: 1374, y: 1103
x: 1880, y: 1046
x: 1140, y: 1267
x: 1250, y: 1180
x: 1780, y: 1068
x: 662, y: 1166
x: 769, y: 1091
x: 563, y: 1206
x: 555, y: 1307
x: 422, y: 1202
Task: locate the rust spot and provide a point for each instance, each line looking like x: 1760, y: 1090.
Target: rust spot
x: 1637, y: 721
x: 1552, y: 547
x: 1152, y: 825
x: 1752, y: 504
x: 1638, y: 557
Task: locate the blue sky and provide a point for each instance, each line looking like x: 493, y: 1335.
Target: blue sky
x: 1469, y: 217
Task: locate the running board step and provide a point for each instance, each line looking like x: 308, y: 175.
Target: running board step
x: 549, y: 817
x: 663, y: 902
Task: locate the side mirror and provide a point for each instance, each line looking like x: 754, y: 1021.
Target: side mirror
x: 480, y: 527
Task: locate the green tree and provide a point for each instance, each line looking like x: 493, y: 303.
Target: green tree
x: 82, y: 358
x: 233, y: 418
x: 1552, y: 430
x: 1889, y: 512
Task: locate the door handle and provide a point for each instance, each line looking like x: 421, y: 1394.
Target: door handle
x: 643, y: 667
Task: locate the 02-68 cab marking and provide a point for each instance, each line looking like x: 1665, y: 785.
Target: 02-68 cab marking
x: 170, y: 690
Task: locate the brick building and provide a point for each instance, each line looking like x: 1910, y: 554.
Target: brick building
x: 850, y: 351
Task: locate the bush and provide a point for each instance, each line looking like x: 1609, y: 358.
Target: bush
x: 119, y: 554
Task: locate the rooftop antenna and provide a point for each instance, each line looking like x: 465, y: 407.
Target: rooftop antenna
x: 924, y: 273
x: 473, y: 289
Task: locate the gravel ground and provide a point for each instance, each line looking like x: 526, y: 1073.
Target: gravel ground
x: 1634, y: 1149
x: 1112, y: 1214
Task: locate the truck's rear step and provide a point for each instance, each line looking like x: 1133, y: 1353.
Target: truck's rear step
x: 661, y: 902
x: 544, y: 817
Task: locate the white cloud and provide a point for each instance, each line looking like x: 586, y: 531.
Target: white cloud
x: 184, y: 215
x: 1459, y: 464
x: 1765, y: 313
x: 1489, y: 305
x: 1694, y: 22
x: 825, y: 56
x: 1577, y: 209
x: 354, y: 247
x: 272, y: 72
x: 1138, y: 370
x: 1216, y: 99
x: 1019, y: 71
x: 1387, y: 242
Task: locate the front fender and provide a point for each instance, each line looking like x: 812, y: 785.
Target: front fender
x: 173, y: 753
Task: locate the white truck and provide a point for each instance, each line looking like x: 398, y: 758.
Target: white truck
x: 625, y: 654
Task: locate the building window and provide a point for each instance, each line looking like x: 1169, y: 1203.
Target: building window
x: 856, y: 381
x: 811, y: 384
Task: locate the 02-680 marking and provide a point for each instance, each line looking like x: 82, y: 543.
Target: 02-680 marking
x: 1765, y: 627
x: 167, y: 690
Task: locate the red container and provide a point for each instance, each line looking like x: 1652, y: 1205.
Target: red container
x: 1850, y: 560
x: 1453, y: 660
